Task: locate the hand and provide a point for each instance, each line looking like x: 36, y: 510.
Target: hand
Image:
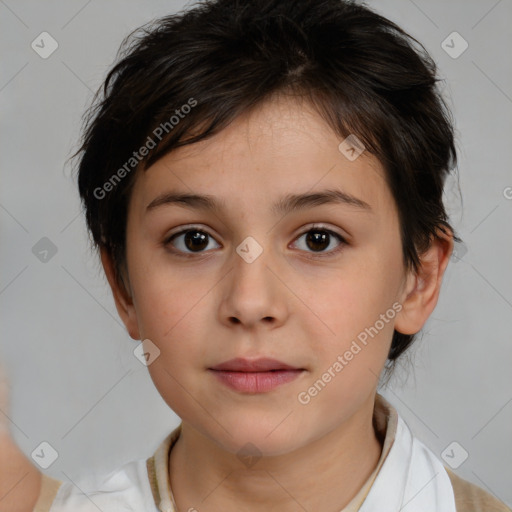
x: 4, y: 400
x: 20, y: 480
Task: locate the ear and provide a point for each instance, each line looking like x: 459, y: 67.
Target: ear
x: 421, y: 292
x: 122, y: 296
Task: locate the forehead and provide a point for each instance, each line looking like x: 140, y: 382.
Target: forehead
x: 280, y: 148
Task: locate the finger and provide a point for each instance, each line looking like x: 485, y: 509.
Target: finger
x: 4, y: 399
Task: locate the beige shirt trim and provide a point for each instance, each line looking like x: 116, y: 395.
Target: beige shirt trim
x: 49, y: 488
x: 385, y: 421
x: 471, y: 498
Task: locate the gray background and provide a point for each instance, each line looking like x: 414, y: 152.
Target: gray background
x: 75, y: 381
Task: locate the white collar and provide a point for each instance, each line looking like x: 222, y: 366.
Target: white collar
x: 412, y: 479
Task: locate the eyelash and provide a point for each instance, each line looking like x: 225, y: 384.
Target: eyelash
x: 343, y: 242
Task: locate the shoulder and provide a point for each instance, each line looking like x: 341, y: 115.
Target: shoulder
x: 124, y: 489
x: 471, y: 498
x: 49, y: 488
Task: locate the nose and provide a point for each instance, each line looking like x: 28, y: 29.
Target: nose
x: 253, y: 294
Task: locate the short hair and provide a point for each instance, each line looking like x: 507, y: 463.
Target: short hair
x: 184, y: 77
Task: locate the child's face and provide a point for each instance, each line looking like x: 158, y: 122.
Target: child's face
x: 287, y: 304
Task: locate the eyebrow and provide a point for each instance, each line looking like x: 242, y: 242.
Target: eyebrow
x: 287, y: 204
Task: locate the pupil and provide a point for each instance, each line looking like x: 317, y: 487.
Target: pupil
x: 196, y: 240
x: 318, y: 237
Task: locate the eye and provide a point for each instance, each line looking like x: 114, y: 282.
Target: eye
x: 189, y: 241
x: 318, y: 238
x: 194, y: 240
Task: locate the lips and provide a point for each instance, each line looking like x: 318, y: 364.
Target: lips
x: 256, y: 365
x: 255, y: 376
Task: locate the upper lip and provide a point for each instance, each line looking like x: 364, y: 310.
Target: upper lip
x: 263, y: 364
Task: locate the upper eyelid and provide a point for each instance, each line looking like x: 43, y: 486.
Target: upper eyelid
x: 192, y: 227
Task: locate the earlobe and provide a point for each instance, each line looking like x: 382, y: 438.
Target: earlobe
x: 122, y: 296
x: 421, y: 291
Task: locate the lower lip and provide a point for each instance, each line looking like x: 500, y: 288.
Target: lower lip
x: 256, y: 382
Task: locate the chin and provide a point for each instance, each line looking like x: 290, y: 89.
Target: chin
x: 259, y: 437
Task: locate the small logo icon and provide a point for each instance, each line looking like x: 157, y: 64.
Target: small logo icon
x: 45, y: 455
x: 454, y: 45
x: 249, y: 454
x: 249, y: 249
x: 44, y: 250
x: 44, y: 45
x: 146, y: 352
x: 454, y: 455
x: 351, y: 147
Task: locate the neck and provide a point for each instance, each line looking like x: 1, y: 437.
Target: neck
x: 324, y: 475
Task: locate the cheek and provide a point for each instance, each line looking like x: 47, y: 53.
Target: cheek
x: 172, y: 315
x: 164, y: 296
x: 174, y: 312
x: 349, y: 360
x: 354, y: 316
x: 346, y: 305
